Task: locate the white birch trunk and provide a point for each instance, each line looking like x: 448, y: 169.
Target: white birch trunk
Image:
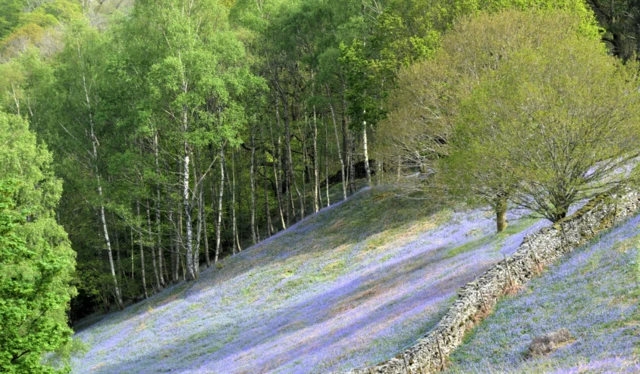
x: 366, y: 152
x: 276, y: 173
x: 103, y: 219
x: 326, y: 158
x: 190, y: 268
x: 219, y: 221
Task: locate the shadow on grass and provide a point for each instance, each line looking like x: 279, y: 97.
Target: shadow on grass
x: 365, y: 214
x: 306, y: 327
x: 364, y: 305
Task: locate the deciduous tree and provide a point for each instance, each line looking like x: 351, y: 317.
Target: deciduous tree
x: 559, y: 122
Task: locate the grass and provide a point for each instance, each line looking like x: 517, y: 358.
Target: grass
x: 469, y: 246
x: 496, y: 241
x: 348, y: 287
x: 594, y: 293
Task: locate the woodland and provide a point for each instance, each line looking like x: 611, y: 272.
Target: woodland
x: 141, y: 142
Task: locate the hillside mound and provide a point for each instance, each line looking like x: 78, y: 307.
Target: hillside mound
x: 594, y: 293
x: 348, y: 287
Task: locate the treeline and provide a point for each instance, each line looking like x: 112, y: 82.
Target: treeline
x: 186, y: 131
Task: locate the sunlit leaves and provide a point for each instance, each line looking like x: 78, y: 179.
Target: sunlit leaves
x: 35, y: 254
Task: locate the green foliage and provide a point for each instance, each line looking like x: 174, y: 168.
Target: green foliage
x: 35, y: 254
x: 25, y: 84
x: 541, y: 139
x: 408, y: 31
x: 433, y: 129
x: 270, y: 77
x: 554, y: 122
x: 426, y: 105
x: 52, y: 13
x: 195, y: 64
x: 36, y: 25
x: 9, y: 16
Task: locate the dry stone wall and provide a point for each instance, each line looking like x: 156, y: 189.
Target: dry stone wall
x: 480, y: 296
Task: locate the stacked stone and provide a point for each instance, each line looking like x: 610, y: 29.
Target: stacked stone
x: 478, y: 298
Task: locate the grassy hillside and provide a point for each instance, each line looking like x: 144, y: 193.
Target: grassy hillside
x: 348, y: 287
x: 594, y: 293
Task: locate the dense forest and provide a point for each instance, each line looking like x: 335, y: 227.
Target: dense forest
x: 164, y: 135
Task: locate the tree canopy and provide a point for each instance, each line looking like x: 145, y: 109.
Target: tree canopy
x: 556, y: 124
x: 35, y: 255
x: 185, y: 131
x: 516, y: 105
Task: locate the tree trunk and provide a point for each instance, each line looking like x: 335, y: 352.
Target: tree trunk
x: 288, y: 167
x: 118, y: 252
x: 153, y: 252
x: 316, y: 168
x: 291, y: 178
x: 141, y: 245
x: 276, y: 172
x: 105, y: 230
x: 326, y: 158
x: 158, y: 216
x: 219, y: 221
x: 558, y: 215
x: 204, y: 227
x: 342, y: 166
x: 184, y: 268
x: 94, y: 142
x: 501, y: 213
x: 196, y: 252
x: 352, y: 164
x: 206, y: 236
x: 174, y: 249
x: 560, y: 208
x: 186, y: 198
x: 346, y: 144
x: 305, y: 173
x: 179, y: 242
x: 232, y: 187
x: 133, y: 249
x: 366, y: 153
x: 213, y: 208
x: 252, y: 182
x: 267, y: 212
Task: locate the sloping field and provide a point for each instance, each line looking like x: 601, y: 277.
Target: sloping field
x: 594, y: 293
x: 348, y: 287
